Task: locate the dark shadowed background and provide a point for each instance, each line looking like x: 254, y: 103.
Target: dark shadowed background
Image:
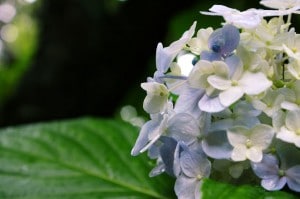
x: 91, y: 56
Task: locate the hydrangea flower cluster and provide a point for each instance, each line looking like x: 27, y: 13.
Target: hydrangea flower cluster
x: 226, y: 101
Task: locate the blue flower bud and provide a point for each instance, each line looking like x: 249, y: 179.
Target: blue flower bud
x: 224, y: 40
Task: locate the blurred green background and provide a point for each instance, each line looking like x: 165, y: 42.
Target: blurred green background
x: 71, y: 58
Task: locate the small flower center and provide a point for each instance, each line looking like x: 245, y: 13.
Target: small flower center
x: 199, y: 177
x: 297, y: 132
x: 234, y: 83
x: 294, y: 50
x: 281, y: 173
x: 249, y: 143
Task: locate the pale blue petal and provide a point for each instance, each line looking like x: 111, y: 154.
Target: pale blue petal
x: 247, y: 121
x: 159, y: 169
x: 216, y: 145
x: 143, y: 137
x: 153, y: 151
x: 216, y: 41
x: 224, y: 40
x: 267, y: 168
x: 232, y: 39
x: 183, y: 127
x: 163, y: 59
x: 211, y: 104
x: 165, y: 56
x: 176, y: 162
x: 194, y: 164
x: 223, y: 124
x: 167, y: 151
x: 273, y: 183
x: 234, y: 64
x: 293, y: 178
x: 188, y: 100
x: 210, y: 56
x: 187, y: 188
x: 243, y: 108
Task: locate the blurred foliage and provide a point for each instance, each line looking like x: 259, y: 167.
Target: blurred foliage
x: 16, y: 55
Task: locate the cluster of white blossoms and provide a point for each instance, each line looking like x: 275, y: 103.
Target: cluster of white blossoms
x: 227, y: 101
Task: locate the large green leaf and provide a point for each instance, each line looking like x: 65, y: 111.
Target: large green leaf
x: 217, y: 190
x: 84, y: 158
x: 87, y: 159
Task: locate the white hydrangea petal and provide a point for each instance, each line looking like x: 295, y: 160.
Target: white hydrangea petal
x: 198, y: 76
x: 157, y: 97
x: 294, y: 69
x: 219, y: 9
x: 273, y: 183
x: 211, y: 104
x: 293, y: 178
x: 230, y: 95
x: 218, y: 82
x: 155, y: 88
x: 254, y: 83
x: 289, y: 106
x: 285, y: 135
x: 297, y: 141
x: 278, y: 119
x: 259, y: 105
x: 239, y: 153
x: 280, y: 4
x: 155, y: 103
x: 262, y: 136
x: 292, y: 120
x: 247, y: 19
x: 221, y: 68
x: 254, y: 154
x: 237, y: 135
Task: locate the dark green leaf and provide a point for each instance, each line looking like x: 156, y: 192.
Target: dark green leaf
x: 217, y: 190
x: 84, y: 158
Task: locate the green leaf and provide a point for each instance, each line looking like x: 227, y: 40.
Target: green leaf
x: 217, y: 190
x: 84, y: 158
